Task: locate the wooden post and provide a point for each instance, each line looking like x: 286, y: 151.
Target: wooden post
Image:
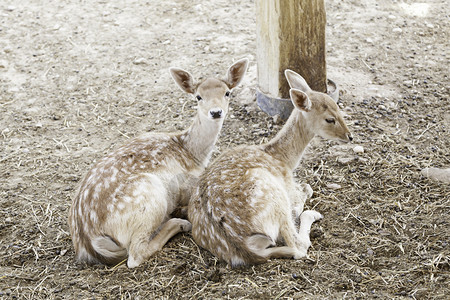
x: 290, y: 35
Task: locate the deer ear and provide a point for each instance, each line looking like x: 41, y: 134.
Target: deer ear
x: 236, y: 73
x: 183, y: 79
x: 300, y: 100
x: 296, y: 81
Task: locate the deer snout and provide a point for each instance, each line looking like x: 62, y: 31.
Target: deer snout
x: 350, y: 136
x: 216, y: 113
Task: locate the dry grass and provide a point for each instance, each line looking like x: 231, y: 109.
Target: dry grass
x: 73, y: 94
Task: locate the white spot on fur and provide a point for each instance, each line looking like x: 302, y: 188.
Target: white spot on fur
x: 114, y: 174
x: 110, y: 207
x: 229, y: 229
x: 85, y: 226
x: 107, y: 183
x: 94, y: 217
x: 80, y: 210
x: 85, y: 194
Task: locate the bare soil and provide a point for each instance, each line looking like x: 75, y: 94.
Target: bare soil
x: 78, y: 78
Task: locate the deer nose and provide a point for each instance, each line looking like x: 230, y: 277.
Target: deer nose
x: 350, y: 136
x: 215, y: 113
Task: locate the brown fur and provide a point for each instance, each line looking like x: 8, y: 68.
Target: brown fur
x: 124, y: 202
x: 245, y: 199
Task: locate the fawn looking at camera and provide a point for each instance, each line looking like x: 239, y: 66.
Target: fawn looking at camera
x: 247, y: 200
x: 122, y: 208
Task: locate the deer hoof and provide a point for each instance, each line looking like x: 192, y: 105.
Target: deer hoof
x: 311, y: 215
x: 132, y: 262
x: 300, y: 254
x: 185, y: 225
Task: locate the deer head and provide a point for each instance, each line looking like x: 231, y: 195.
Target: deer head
x: 212, y: 94
x: 319, y: 109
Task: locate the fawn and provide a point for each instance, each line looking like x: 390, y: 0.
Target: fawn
x: 247, y: 200
x: 124, y: 202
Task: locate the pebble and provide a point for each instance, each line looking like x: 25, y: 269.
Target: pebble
x: 14, y: 89
x: 277, y: 119
x: 246, y: 96
x: 397, y: 30
x: 3, y: 64
x: 345, y: 160
x: 392, y: 17
x: 369, y: 40
x: 442, y: 175
x: 7, y: 49
x: 70, y: 88
x: 140, y: 61
x: 391, y: 104
x: 382, y: 107
x: 348, y: 109
x: 358, y: 149
x: 333, y: 186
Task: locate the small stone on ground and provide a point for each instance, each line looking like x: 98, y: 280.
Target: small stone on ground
x: 437, y: 174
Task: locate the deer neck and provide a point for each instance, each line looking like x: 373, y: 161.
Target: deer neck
x: 199, y: 139
x: 290, y: 143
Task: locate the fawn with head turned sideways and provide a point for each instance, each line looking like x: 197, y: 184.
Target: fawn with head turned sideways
x: 122, y: 208
x: 247, y: 200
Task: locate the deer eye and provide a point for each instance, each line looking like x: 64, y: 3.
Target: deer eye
x: 330, y: 120
x: 199, y: 97
x: 227, y: 94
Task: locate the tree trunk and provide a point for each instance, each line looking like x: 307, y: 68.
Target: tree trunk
x: 290, y: 35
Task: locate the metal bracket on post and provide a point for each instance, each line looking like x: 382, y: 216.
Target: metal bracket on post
x: 284, y: 107
x: 274, y: 106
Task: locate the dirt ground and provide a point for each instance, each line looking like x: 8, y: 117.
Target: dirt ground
x: 78, y: 78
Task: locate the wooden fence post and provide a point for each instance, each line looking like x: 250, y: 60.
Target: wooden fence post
x: 290, y: 35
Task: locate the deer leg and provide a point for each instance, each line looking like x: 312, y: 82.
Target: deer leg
x: 142, y: 248
x: 280, y: 252
x: 293, y: 239
x: 260, y: 243
x: 303, y: 192
x: 306, y: 219
x: 299, y: 240
x: 307, y: 190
